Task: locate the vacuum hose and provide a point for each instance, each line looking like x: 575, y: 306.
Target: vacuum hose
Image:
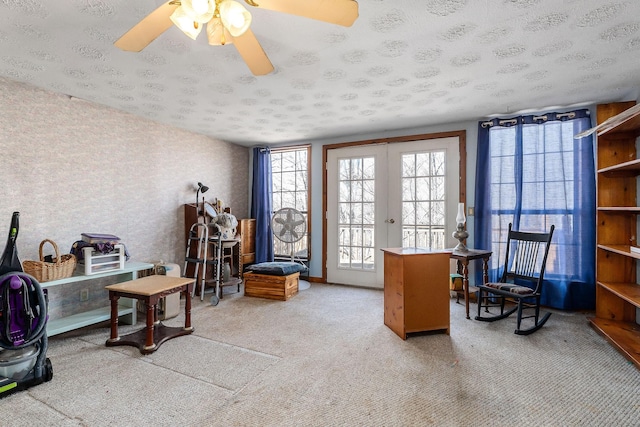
x: 13, y: 281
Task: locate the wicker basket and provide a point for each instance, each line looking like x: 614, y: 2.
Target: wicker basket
x: 61, y: 267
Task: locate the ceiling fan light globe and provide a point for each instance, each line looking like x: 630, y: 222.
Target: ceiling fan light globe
x: 217, y: 34
x: 235, y: 17
x: 186, y: 24
x: 199, y: 10
x: 200, y: 6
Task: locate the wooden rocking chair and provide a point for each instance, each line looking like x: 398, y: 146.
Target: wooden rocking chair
x: 521, y: 281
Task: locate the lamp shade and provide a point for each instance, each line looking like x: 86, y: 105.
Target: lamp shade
x: 183, y: 21
x: 235, y: 17
x: 217, y: 34
x: 199, y: 10
x: 460, y: 218
x: 202, y: 187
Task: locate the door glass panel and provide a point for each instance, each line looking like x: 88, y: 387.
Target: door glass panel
x: 423, y: 199
x: 356, y: 213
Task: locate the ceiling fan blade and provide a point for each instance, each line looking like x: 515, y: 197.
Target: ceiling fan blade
x: 147, y: 30
x: 252, y: 53
x: 340, y: 12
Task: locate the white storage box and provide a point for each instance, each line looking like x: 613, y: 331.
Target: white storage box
x: 168, y: 306
x: 96, y: 262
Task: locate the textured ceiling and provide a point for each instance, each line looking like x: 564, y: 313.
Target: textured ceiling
x: 403, y: 64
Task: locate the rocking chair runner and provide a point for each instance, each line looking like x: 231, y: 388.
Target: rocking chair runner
x: 525, y: 263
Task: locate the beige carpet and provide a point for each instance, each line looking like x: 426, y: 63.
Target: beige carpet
x: 325, y: 358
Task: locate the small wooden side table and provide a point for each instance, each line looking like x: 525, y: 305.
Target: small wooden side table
x: 463, y: 258
x: 150, y: 289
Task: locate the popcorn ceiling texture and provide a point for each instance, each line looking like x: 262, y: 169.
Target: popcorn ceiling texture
x: 70, y: 166
x: 403, y: 64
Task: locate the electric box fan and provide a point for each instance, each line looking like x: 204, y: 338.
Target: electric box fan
x: 289, y: 226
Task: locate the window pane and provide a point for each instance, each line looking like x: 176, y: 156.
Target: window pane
x: 422, y: 164
x: 368, y: 213
x: 422, y: 213
x: 276, y: 182
x: 422, y: 188
x: 288, y: 199
x: 356, y: 191
x: 408, y: 189
x: 368, y: 190
x: 356, y: 169
x: 301, y: 201
x: 288, y: 181
x: 408, y: 165
x: 301, y: 159
x: 438, y: 163
x: 368, y: 169
x: 344, y: 169
x: 276, y: 162
x: 289, y: 161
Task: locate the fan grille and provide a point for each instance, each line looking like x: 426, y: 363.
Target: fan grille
x: 288, y: 225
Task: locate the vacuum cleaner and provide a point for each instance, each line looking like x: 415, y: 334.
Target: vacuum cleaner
x: 23, y: 319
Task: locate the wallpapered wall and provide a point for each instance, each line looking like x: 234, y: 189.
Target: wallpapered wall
x: 71, y: 166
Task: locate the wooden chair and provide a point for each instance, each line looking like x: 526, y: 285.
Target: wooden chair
x: 521, y: 281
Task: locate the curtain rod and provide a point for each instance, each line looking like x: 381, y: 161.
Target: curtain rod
x: 544, y: 118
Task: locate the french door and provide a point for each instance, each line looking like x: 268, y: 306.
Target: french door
x: 388, y: 195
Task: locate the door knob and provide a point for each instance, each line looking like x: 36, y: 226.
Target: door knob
x: 390, y: 221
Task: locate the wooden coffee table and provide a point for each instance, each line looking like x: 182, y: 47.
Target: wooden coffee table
x: 150, y: 289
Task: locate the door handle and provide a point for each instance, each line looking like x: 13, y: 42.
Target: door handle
x: 390, y: 221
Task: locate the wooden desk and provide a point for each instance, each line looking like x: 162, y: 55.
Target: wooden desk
x: 463, y: 259
x: 150, y: 289
x: 416, y: 290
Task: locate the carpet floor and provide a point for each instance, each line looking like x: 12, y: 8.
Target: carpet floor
x: 325, y: 358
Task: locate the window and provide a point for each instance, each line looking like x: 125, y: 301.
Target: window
x: 290, y: 176
x: 533, y: 173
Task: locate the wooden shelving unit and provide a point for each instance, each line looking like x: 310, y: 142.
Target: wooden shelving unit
x: 617, y: 290
x: 247, y: 230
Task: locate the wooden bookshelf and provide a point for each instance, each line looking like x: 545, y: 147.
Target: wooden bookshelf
x: 617, y: 288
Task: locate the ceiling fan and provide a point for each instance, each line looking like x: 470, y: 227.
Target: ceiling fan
x: 228, y: 22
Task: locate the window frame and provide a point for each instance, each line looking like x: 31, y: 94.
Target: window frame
x: 307, y: 212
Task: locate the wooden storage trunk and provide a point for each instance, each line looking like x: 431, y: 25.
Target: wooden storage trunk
x: 269, y: 286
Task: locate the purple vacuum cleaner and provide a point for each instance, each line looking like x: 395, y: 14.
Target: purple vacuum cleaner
x: 23, y: 320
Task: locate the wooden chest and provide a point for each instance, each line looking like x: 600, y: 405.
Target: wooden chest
x: 269, y: 286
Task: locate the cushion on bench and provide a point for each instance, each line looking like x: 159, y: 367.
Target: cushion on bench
x: 276, y: 268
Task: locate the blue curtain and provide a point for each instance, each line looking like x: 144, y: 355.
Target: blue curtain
x: 532, y: 173
x: 261, y: 204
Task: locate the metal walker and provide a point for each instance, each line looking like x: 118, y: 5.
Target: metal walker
x: 200, y: 232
